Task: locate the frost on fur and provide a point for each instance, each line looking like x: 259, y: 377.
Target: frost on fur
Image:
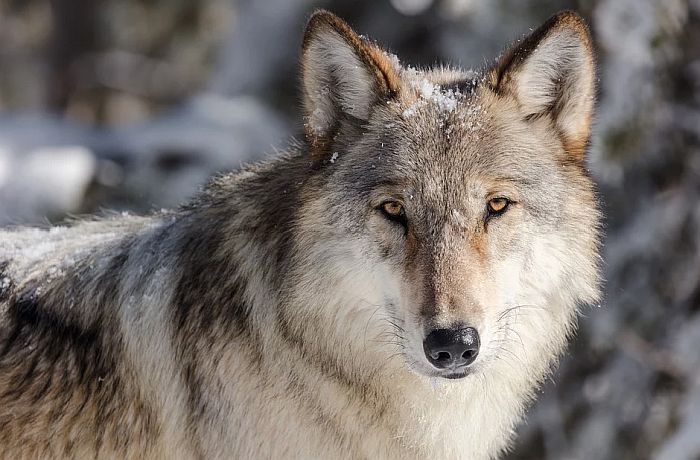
x: 343, y: 75
x: 552, y: 73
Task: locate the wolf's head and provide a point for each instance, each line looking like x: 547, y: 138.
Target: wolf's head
x: 462, y: 197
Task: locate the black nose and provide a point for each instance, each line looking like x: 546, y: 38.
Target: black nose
x: 452, y: 348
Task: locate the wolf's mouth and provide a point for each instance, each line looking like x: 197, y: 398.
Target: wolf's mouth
x: 455, y: 375
x: 452, y: 374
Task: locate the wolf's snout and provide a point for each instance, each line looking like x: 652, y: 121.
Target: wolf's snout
x: 452, y: 348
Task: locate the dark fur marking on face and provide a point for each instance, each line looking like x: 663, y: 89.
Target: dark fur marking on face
x: 429, y: 308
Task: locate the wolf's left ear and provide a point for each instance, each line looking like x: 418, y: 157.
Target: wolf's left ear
x: 343, y: 75
x: 552, y: 73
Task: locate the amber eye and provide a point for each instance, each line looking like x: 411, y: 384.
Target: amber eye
x: 394, y: 211
x: 498, y: 206
x: 392, y: 208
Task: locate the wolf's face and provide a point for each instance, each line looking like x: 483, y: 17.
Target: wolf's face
x: 465, y: 194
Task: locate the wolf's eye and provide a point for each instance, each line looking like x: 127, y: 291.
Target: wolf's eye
x: 394, y: 211
x: 498, y: 206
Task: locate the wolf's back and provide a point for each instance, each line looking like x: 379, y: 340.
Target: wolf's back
x: 65, y: 387
x: 35, y: 252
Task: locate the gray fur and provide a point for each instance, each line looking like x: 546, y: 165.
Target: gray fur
x: 279, y: 314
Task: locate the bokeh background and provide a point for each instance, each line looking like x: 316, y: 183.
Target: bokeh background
x: 130, y: 105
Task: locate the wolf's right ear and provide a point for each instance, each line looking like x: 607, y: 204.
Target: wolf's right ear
x: 552, y: 73
x: 343, y: 75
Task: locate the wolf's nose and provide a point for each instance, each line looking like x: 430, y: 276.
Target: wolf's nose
x: 452, y: 348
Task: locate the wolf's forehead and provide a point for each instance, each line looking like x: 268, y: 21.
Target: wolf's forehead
x: 447, y: 139
x: 444, y: 77
x: 460, y: 155
x: 444, y: 129
x: 440, y: 93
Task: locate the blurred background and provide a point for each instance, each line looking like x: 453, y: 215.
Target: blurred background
x: 131, y: 104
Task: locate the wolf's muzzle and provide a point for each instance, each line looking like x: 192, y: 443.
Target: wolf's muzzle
x: 452, y: 349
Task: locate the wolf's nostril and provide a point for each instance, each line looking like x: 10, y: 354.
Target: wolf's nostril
x: 443, y: 356
x: 452, y: 348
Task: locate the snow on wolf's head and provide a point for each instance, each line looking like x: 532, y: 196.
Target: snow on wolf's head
x: 455, y: 204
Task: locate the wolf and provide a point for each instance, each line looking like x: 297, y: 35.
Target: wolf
x: 396, y: 285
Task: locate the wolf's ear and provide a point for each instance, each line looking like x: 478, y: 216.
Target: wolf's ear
x: 552, y: 73
x: 343, y: 75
